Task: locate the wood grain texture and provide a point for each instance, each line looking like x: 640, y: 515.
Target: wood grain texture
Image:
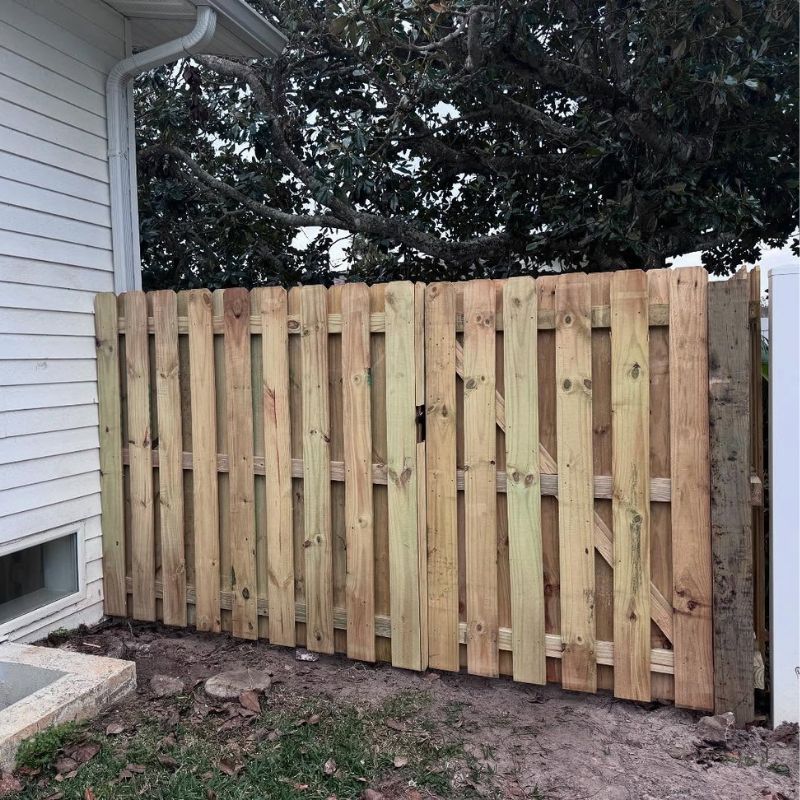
x: 479, y: 478
x: 241, y: 509
x: 690, y: 472
x: 204, y: 474
x: 137, y: 364
x: 402, y: 475
x: 442, y: 533
x: 575, y: 505
x: 630, y: 410
x: 731, y: 515
x: 115, y: 601
x: 316, y: 478
x: 357, y: 434
x: 170, y: 451
x: 272, y: 302
x: 522, y: 480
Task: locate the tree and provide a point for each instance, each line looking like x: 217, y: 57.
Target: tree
x: 456, y: 139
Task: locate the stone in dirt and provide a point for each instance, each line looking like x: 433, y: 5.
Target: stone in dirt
x: 165, y: 686
x: 717, y: 729
x: 230, y: 685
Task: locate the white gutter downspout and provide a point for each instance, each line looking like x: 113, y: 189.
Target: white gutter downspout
x: 121, y: 146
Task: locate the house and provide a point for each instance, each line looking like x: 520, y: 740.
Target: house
x: 69, y: 229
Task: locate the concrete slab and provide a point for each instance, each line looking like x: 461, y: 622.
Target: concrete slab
x: 61, y: 687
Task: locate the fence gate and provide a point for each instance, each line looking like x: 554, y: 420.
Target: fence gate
x: 508, y: 476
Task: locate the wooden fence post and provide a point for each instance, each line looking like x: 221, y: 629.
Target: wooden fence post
x: 731, y: 513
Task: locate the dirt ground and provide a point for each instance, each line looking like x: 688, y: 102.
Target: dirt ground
x: 534, y: 742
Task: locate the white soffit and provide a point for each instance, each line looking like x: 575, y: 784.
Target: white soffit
x: 241, y: 30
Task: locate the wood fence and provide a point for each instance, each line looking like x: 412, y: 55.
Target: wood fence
x: 509, y: 476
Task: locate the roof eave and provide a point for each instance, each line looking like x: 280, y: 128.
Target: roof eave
x: 250, y: 26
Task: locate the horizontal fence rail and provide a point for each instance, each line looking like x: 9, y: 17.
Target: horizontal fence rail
x: 510, y: 477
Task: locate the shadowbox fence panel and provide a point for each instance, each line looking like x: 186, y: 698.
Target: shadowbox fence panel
x: 512, y: 477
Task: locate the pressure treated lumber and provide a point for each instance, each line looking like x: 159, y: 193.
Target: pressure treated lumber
x: 575, y: 506
x: 357, y: 436
x: 523, y: 494
x: 137, y: 364
x: 440, y: 422
x: 401, y: 443
x: 316, y: 471
x: 272, y: 302
x: 110, y: 426
x: 204, y: 462
x: 170, y: 450
x: 479, y: 479
x: 731, y: 514
x: 241, y: 512
x: 690, y: 473
x: 630, y: 410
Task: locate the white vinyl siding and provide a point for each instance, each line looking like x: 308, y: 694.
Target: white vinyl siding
x: 55, y: 254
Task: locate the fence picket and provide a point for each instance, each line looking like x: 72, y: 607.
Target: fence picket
x: 241, y: 500
x: 277, y: 463
x: 480, y: 501
x: 137, y: 358
x: 401, y: 444
x: 691, y: 512
x: 523, y: 494
x: 575, y: 481
x: 440, y: 414
x: 630, y: 409
x: 316, y: 470
x: 357, y: 434
x: 204, y: 473
x: 115, y: 597
x: 170, y: 457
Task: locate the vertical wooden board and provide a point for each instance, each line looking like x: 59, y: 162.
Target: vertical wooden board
x: 110, y: 426
x: 422, y: 513
x: 296, y: 425
x: 223, y: 478
x: 575, y: 481
x: 380, y: 499
x: 440, y: 418
x: 272, y: 303
x: 546, y: 371
x: 357, y: 434
x: 601, y: 456
x: 401, y: 445
x: 170, y: 457
x: 205, y: 497
x: 506, y: 659
x: 661, y: 684
x: 480, y: 478
x: 317, y: 470
x: 630, y: 409
x: 757, y: 432
x: 338, y: 517
x: 731, y: 515
x: 523, y: 487
x: 110, y: 422
x: 139, y: 452
x: 259, y: 480
x: 690, y: 471
x: 241, y: 508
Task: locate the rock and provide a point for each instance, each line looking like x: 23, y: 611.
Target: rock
x: 9, y: 784
x: 165, y: 686
x: 371, y: 794
x: 716, y: 730
x: 681, y: 751
x: 229, y: 685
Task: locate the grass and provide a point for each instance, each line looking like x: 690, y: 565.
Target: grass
x: 311, y: 749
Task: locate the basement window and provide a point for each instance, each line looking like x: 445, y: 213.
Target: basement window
x: 39, y: 575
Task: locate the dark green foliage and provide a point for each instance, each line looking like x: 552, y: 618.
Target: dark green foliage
x: 454, y: 139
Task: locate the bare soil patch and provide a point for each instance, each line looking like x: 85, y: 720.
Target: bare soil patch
x: 472, y: 737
